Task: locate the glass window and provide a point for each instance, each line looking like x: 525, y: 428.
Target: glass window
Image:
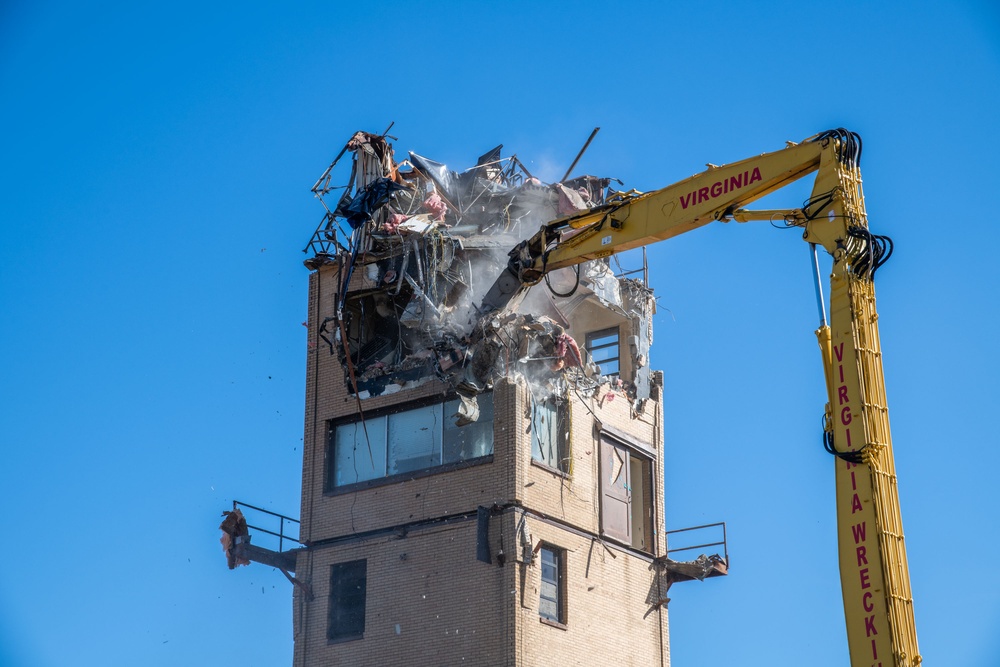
x: 352, y: 461
x: 409, y: 440
x: 415, y: 439
x: 472, y: 440
x: 603, y: 348
x: 551, y: 603
x: 548, y: 433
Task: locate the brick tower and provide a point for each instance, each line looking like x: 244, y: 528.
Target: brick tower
x: 480, y: 486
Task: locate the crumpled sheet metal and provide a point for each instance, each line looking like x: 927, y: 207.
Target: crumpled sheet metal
x: 443, y: 177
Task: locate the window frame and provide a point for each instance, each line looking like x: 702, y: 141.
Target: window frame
x: 330, y: 488
x: 561, y: 599
x: 563, y: 455
x: 634, y: 452
x: 603, y: 333
x: 351, y: 632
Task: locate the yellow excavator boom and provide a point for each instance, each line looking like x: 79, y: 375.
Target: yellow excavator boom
x: 878, y: 605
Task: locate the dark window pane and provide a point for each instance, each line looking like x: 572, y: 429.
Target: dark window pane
x: 348, y: 584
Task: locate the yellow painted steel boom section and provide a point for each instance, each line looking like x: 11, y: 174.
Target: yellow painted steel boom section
x: 878, y: 604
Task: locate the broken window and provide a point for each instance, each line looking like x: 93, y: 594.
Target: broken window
x: 405, y: 441
x: 348, y: 590
x: 604, y: 351
x: 359, y: 451
x: 549, y: 437
x: 472, y: 441
x: 552, y: 597
x: 626, y: 495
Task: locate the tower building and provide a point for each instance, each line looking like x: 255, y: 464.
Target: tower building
x: 479, y: 486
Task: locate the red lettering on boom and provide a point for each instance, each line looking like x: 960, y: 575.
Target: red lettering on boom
x: 858, y: 530
x: 862, y: 555
x: 719, y: 188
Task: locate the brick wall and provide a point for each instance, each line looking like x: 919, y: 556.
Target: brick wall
x: 429, y: 600
x: 610, y: 614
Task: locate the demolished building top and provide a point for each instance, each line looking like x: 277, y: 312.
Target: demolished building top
x: 416, y: 247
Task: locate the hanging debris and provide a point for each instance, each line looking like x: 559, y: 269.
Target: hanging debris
x: 416, y: 247
x: 234, y: 533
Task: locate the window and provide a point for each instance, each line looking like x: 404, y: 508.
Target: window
x: 348, y: 589
x: 405, y: 441
x: 549, y: 438
x: 414, y: 439
x: 626, y: 495
x: 552, y: 599
x: 603, y: 349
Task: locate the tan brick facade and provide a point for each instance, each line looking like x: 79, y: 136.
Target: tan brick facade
x: 429, y: 600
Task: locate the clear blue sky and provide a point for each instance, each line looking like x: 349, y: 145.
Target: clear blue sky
x: 156, y: 167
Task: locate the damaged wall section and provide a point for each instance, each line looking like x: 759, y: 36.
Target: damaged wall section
x: 416, y: 246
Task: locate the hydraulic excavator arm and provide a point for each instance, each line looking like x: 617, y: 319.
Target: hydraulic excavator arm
x: 878, y: 604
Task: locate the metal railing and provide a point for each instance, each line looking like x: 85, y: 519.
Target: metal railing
x: 722, y: 543
x: 282, y: 535
x: 644, y: 269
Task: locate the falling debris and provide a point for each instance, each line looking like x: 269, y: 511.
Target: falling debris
x: 418, y: 247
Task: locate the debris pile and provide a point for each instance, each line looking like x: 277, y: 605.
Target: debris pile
x: 416, y: 247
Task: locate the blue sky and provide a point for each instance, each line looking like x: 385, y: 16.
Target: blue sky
x: 156, y: 168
